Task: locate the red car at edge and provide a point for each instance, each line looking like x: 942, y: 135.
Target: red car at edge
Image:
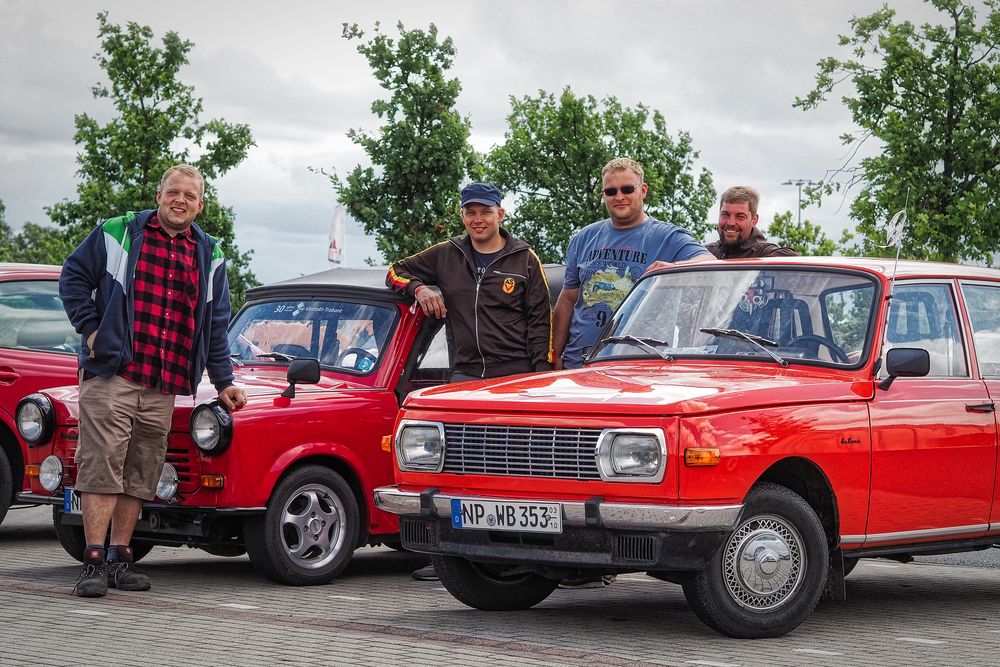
x: 746, y: 429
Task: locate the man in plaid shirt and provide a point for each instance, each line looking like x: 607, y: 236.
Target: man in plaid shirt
x: 149, y: 296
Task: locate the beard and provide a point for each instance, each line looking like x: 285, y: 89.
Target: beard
x: 731, y: 245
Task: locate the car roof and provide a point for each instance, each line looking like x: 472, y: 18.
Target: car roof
x: 366, y: 282
x: 906, y: 268
x: 16, y: 270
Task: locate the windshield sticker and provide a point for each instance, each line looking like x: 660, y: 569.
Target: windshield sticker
x: 757, y: 295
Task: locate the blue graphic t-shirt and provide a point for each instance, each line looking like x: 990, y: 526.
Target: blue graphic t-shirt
x: 603, y: 261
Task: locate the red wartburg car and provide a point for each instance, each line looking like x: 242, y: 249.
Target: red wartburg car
x: 326, y: 361
x: 747, y: 429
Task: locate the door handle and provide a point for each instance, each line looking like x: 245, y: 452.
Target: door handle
x: 8, y: 376
x: 980, y: 407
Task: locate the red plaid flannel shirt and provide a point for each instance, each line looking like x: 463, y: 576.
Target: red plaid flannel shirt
x: 166, y: 296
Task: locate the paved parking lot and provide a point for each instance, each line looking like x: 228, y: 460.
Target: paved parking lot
x: 209, y: 610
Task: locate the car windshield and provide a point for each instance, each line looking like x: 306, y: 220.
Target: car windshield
x: 347, y: 336
x: 777, y: 315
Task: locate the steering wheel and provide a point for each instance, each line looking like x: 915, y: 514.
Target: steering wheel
x: 836, y: 352
x: 365, y: 360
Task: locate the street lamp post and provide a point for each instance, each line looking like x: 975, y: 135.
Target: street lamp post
x: 800, y: 182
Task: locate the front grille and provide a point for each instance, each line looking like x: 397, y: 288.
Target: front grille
x: 182, y: 456
x: 416, y: 533
x: 528, y: 451
x: 640, y: 548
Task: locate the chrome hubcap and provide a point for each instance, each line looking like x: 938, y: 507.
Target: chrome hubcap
x: 763, y: 564
x: 312, y: 530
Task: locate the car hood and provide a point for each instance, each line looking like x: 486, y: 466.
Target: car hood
x: 259, y: 382
x: 644, y: 388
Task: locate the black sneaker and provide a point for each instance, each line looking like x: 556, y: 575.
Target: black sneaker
x: 127, y: 577
x: 93, y: 581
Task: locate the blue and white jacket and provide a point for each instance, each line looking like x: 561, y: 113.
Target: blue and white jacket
x: 97, y: 290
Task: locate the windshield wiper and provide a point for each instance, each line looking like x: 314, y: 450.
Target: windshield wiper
x: 757, y: 341
x: 281, y: 356
x: 238, y: 358
x: 644, y: 343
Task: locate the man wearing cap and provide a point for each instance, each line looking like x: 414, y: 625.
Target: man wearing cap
x: 490, y: 288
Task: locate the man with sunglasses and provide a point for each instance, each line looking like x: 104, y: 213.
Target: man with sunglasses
x: 606, y: 257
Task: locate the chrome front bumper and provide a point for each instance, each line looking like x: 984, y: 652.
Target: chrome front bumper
x: 623, y: 516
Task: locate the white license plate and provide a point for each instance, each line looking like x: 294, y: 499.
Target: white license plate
x: 521, y: 517
x: 71, y: 502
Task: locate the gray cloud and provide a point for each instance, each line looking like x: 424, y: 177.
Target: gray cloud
x: 723, y: 70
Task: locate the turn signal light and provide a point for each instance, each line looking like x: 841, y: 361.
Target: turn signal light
x: 695, y: 457
x: 386, y: 443
x: 212, y: 481
x: 32, y: 470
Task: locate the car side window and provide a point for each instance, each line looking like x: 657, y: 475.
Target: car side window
x: 983, y: 304
x: 32, y: 317
x: 436, y: 354
x: 924, y: 316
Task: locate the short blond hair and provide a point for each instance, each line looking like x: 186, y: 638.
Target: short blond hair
x: 739, y: 193
x: 624, y: 164
x: 184, y: 170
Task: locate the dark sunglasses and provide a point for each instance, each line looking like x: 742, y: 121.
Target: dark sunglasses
x: 626, y: 190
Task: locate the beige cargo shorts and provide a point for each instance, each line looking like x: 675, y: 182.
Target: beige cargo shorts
x: 123, y: 437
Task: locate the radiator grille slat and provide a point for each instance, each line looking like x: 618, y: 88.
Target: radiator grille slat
x: 529, y: 451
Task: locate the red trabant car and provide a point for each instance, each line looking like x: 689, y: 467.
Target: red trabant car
x: 747, y: 429
x: 326, y: 360
x: 37, y: 349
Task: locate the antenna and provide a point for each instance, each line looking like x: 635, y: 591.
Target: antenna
x: 894, y: 231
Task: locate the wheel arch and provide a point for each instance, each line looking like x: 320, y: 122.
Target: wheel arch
x: 809, y: 481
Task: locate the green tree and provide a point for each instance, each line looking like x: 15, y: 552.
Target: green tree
x: 929, y: 96
x: 805, y: 237
x: 552, y: 157
x: 408, y: 198
x: 34, y: 244
x: 157, y: 125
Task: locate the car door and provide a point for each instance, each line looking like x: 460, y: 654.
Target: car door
x: 982, y: 302
x: 933, y: 438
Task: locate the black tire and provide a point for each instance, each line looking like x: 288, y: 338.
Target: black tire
x: 309, y: 532
x: 769, y: 575
x: 6, y: 484
x: 71, y: 539
x: 492, y: 587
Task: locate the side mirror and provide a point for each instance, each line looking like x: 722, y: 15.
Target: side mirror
x: 905, y: 362
x: 301, y: 370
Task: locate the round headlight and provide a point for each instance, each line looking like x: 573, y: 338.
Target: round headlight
x: 420, y: 446
x: 211, y: 428
x: 35, y: 419
x: 166, y: 488
x: 50, y: 473
x: 632, y: 456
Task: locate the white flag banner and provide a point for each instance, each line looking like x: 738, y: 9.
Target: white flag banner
x: 335, y: 254
x: 894, y: 229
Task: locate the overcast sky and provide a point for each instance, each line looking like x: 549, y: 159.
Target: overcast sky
x: 725, y: 71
